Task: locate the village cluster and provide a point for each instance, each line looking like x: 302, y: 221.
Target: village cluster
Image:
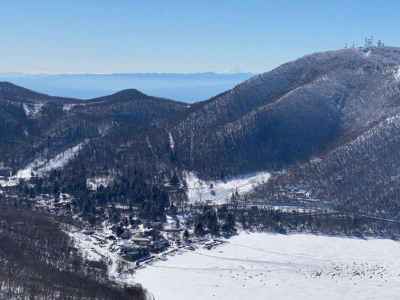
x: 130, y: 240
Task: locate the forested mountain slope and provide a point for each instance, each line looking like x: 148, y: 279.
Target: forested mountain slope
x: 320, y: 105
x: 291, y: 113
x: 35, y: 126
x: 360, y: 177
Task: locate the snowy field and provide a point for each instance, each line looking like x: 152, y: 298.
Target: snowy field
x: 266, y: 266
x: 219, y: 192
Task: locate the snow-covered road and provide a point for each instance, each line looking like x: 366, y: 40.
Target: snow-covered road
x: 263, y: 266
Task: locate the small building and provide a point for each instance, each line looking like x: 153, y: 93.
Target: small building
x: 172, y: 230
x: 159, y: 245
x: 141, y: 241
x: 134, y: 253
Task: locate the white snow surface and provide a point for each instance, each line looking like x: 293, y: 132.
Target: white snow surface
x: 396, y: 74
x: 97, y: 247
x: 219, y: 192
x: 171, y: 141
x: 69, y: 106
x: 262, y: 266
x: 95, y: 183
x: 31, y: 110
x: 40, y: 166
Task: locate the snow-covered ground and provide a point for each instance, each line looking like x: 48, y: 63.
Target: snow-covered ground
x: 32, y: 109
x: 69, y: 106
x: 263, y: 266
x: 41, y: 166
x: 95, y: 183
x: 219, y: 191
x: 96, y: 247
x: 171, y: 141
x: 396, y: 74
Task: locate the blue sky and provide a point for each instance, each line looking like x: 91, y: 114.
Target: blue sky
x: 182, y: 36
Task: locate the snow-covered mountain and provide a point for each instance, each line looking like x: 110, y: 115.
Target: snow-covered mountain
x: 339, y: 106
x: 142, y: 174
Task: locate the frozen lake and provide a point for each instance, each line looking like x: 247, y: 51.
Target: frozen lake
x: 262, y: 266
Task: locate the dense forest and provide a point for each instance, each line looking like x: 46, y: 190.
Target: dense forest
x: 226, y: 220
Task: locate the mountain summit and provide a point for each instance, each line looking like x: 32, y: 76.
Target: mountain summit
x: 288, y: 115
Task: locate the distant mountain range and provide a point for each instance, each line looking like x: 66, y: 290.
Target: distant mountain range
x: 188, y: 87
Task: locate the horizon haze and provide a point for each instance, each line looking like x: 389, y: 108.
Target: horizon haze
x: 188, y: 87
